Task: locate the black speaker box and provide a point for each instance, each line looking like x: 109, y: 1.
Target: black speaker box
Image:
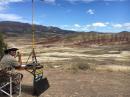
x: 40, y: 86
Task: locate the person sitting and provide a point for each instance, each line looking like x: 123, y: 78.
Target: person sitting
x: 8, y: 64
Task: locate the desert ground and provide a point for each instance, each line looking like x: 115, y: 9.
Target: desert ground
x: 96, y: 71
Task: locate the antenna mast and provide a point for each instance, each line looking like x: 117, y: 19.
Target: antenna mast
x: 33, y: 54
x: 33, y: 27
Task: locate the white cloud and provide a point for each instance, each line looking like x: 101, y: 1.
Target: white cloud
x: 126, y: 25
x: 10, y: 17
x: 90, y: 11
x: 117, y: 25
x: 86, y: 1
x: 4, y: 3
x: 65, y: 25
x: 77, y: 25
x: 99, y: 24
x: 50, y: 1
x: 88, y: 27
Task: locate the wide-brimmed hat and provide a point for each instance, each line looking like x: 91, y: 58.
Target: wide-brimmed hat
x: 10, y: 49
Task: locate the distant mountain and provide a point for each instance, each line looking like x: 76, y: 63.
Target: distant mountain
x: 55, y: 34
x: 18, y: 28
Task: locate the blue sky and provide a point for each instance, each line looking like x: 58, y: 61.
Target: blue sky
x: 78, y: 15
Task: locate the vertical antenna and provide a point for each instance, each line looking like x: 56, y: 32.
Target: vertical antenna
x: 34, y: 59
x: 33, y: 54
x: 33, y: 28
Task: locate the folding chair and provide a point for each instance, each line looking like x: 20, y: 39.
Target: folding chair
x: 7, y: 83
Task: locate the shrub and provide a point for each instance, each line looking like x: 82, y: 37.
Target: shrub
x: 79, y: 64
x: 2, y: 45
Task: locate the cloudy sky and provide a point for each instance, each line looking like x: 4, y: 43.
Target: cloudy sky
x: 78, y: 15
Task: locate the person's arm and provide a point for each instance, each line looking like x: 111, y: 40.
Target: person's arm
x: 19, y: 61
x: 19, y: 58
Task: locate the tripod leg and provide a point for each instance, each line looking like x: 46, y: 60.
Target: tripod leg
x: 34, y: 59
x: 29, y: 57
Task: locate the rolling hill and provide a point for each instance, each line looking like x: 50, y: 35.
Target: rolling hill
x: 55, y: 34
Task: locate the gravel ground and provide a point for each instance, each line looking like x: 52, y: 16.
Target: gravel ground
x: 81, y: 84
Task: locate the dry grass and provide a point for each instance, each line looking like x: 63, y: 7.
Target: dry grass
x: 78, y: 58
x: 114, y: 68
x: 81, y: 72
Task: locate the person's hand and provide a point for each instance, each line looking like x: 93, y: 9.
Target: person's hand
x: 19, y: 57
x: 19, y: 54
